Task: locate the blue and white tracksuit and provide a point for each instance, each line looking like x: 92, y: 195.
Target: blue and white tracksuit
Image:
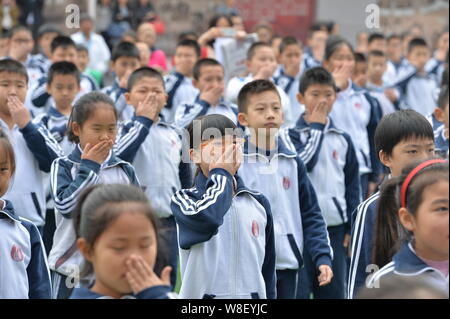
x: 226, y: 239
x: 180, y: 90
x: 308, y: 61
x: 35, y: 149
x: 397, y: 71
x: 406, y: 263
x: 298, y: 221
x: 325, y: 149
x: 377, y: 92
x: 291, y: 86
x: 357, y: 113
x: 70, y: 175
x: 23, y: 264
x: 125, y: 112
x: 187, y: 112
x: 155, y: 292
x: 441, y: 142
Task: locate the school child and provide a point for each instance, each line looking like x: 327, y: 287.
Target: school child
x: 412, y: 225
x: 92, y: 126
x: 124, y: 60
x: 63, y: 84
x: 23, y: 267
x: 324, y: 148
x: 289, y: 72
x: 281, y: 176
x: 417, y: 90
x: 209, y: 80
x: 46, y: 33
x: 437, y: 64
x: 355, y: 111
x: 359, y: 76
x: 62, y: 49
x: 225, y: 230
x: 261, y: 64
x: 314, y: 51
x: 33, y: 144
x: 400, y: 138
x: 376, y: 67
x: 117, y: 234
x: 398, y: 66
x: 148, y: 139
x: 179, y: 86
x: 146, y: 33
x: 83, y: 62
x: 442, y: 114
x: 377, y: 42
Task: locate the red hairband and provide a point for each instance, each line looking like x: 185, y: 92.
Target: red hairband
x: 411, y: 176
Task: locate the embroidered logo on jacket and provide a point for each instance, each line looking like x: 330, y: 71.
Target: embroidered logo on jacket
x: 286, y: 183
x: 255, y: 228
x: 335, y: 155
x: 16, y: 253
x: 358, y: 105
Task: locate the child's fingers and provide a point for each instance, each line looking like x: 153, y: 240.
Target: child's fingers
x: 87, y: 148
x: 145, y: 267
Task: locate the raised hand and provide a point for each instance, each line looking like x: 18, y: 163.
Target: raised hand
x: 212, y: 94
x: 19, y: 113
x: 319, y: 113
x: 98, y: 152
x: 229, y: 160
x: 149, y: 107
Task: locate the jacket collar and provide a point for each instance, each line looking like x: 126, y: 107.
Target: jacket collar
x: 406, y: 262
x: 8, y: 210
x: 111, y: 160
x: 53, y: 112
x: 302, y: 124
x: 238, y: 183
x: 281, y: 149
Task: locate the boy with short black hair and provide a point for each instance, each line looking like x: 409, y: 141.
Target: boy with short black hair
x: 290, y: 70
x: 270, y: 167
x: 209, y: 79
x: 180, y: 88
x: 417, y: 90
x: 261, y: 64
x: 62, y: 49
x: 441, y: 113
x: 359, y: 76
x: 148, y: 139
x: 125, y: 59
x: 324, y: 148
x: 401, y: 138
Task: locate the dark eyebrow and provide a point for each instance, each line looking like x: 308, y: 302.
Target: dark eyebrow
x: 439, y: 201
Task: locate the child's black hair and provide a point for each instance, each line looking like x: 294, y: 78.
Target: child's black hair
x: 202, y: 63
x: 190, y: 44
x: 8, y: 149
x: 443, y: 98
x: 18, y: 28
x: 333, y: 44
x: 360, y: 57
x: 100, y: 205
x: 186, y: 35
x: 144, y: 72
x: 375, y: 36
x: 375, y: 53
x: 444, y: 80
x: 287, y: 41
x: 83, y: 109
x: 317, y: 75
x: 254, y: 47
x: 13, y: 66
x: 401, y: 126
x: 63, y: 68
x: 389, y: 232
x: 253, y: 88
x: 416, y: 43
x: 316, y: 27
x: 125, y: 49
x: 393, y: 37
x: 62, y: 41
x: 82, y: 48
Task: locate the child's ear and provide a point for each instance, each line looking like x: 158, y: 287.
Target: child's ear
x: 242, y: 118
x: 384, y: 158
x: 127, y: 97
x: 406, y: 219
x: 84, y: 249
x: 195, y: 83
x: 300, y: 98
x: 76, y: 129
x: 49, y: 89
x: 439, y: 114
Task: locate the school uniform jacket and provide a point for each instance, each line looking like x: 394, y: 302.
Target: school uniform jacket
x: 357, y: 113
x: 70, y: 175
x: 187, y: 112
x: 324, y: 148
x: 156, y: 292
x: 23, y: 263
x: 362, y: 242
x: 226, y: 239
x: 291, y: 86
x: 35, y: 149
x: 155, y: 150
x: 180, y: 90
x: 298, y: 221
x: 116, y: 93
x: 406, y: 263
x: 441, y: 142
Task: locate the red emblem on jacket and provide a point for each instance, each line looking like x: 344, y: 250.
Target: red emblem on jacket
x: 286, y: 183
x: 255, y: 228
x: 358, y: 105
x: 16, y: 253
x: 335, y: 155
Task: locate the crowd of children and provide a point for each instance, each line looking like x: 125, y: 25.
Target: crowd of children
x: 320, y: 173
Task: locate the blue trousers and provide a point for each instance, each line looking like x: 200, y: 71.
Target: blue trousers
x: 308, y: 285
x: 286, y: 283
